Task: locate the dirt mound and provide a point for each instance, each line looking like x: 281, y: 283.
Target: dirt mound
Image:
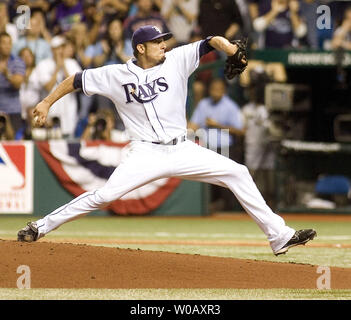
x: 66, y: 265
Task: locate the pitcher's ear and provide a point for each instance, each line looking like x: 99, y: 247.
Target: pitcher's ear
x: 140, y: 48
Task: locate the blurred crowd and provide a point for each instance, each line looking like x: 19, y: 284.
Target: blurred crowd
x: 61, y: 38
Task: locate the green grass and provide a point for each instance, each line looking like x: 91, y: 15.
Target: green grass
x: 173, y: 294
x: 179, y: 229
x: 176, y: 229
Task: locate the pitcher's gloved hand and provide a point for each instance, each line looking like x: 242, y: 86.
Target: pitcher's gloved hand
x: 236, y: 63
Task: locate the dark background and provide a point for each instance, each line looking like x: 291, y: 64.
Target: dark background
x: 329, y: 97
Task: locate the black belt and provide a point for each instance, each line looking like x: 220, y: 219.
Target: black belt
x: 172, y: 142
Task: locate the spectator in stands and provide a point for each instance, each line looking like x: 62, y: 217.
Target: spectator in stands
x: 34, y: 40
x: 84, y: 102
x: 221, y: 114
x: 30, y: 88
x: 156, y: 7
x: 68, y: 12
x: 5, y: 24
x: 69, y: 50
x: 114, y: 9
x: 6, y: 130
x: 94, y: 20
x: 342, y: 35
x: 25, y: 132
x: 181, y: 16
x: 199, y: 92
x: 278, y: 23
x: 110, y: 49
x: 220, y: 17
x: 275, y: 70
x: 218, y: 111
x: 308, y: 9
x: 45, y: 33
x: 100, y: 126
x: 53, y: 71
x: 53, y: 128
x: 243, y: 7
x: 202, y: 79
x: 12, y: 74
x: 259, y: 153
x: 144, y: 16
x: 79, y: 42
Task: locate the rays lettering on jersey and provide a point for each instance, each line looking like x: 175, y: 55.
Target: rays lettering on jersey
x: 146, y: 92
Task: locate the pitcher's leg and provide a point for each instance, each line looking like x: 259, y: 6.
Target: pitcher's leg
x: 240, y: 182
x: 140, y: 167
x: 204, y: 165
x: 78, y: 207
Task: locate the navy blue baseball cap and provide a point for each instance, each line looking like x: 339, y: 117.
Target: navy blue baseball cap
x: 148, y: 33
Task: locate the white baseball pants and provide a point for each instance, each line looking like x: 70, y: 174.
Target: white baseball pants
x: 147, y: 162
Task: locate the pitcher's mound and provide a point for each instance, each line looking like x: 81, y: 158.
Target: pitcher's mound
x: 65, y: 265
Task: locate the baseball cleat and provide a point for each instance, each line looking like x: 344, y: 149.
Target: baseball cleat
x: 300, y: 237
x: 29, y: 233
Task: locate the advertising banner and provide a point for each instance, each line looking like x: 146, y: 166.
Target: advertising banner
x: 16, y: 177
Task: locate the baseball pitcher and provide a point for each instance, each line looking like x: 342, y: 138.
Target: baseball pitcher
x: 149, y: 92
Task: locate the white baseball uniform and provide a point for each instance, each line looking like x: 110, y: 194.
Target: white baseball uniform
x: 151, y: 103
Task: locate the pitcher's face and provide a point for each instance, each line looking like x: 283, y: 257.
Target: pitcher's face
x: 155, y: 51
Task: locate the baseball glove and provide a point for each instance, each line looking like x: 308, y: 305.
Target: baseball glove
x: 234, y: 64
